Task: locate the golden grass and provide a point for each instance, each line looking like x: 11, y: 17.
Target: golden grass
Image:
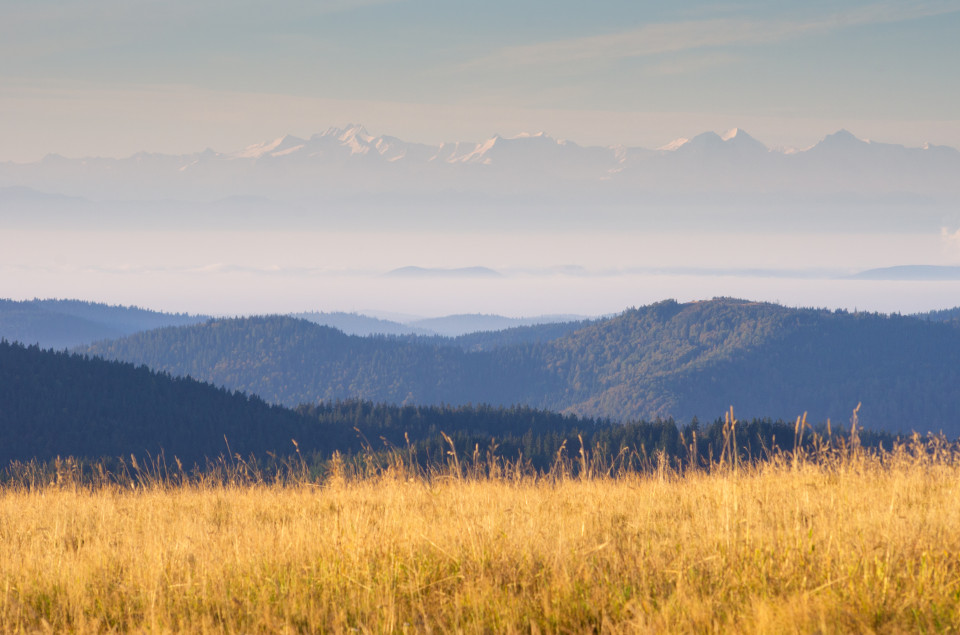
x: 862, y: 544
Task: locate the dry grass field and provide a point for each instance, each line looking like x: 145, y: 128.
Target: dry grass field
x: 853, y: 543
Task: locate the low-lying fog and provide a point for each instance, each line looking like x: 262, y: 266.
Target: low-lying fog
x: 234, y: 272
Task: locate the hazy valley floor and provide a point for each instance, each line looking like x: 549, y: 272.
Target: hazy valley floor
x: 853, y: 545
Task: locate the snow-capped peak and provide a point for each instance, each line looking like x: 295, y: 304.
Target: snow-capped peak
x: 673, y: 145
x: 740, y: 138
x: 353, y: 131
x: 733, y: 133
x: 353, y: 136
x: 278, y: 147
x: 480, y: 150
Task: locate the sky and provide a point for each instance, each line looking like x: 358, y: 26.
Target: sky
x: 115, y: 77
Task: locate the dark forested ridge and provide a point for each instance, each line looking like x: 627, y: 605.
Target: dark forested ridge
x: 663, y: 360
x: 58, y: 404
x: 67, y: 323
x: 55, y: 403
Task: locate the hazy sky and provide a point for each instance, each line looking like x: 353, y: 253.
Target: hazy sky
x: 115, y: 77
x: 112, y: 77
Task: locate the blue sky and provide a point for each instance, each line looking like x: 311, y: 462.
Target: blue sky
x: 111, y: 77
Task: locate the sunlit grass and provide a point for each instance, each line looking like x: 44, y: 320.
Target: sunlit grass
x: 849, y: 543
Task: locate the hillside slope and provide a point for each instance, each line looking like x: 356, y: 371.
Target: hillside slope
x: 57, y: 404
x: 663, y: 360
x: 291, y: 361
x: 697, y: 359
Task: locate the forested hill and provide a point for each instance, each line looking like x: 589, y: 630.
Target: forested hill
x: 58, y: 404
x: 67, y: 323
x: 767, y: 360
x: 666, y: 359
x: 292, y: 361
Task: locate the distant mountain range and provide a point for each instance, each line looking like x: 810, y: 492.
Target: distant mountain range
x: 447, y: 326
x: 436, y: 272
x: 357, y: 324
x: 60, y: 324
x: 666, y: 359
x: 314, y: 180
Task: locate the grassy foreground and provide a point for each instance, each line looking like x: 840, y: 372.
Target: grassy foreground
x: 865, y: 544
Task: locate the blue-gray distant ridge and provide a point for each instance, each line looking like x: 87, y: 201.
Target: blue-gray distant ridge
x: 442, y: 272
x: 910, y: 272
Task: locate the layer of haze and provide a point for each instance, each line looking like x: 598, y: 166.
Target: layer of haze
x: 227, y: 273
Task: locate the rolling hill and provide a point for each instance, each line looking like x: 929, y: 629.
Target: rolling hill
x: 67, y: 323
x: 663, y: 360
x: 696, y: 359
x: 291, y: 361
x: 55, y: 404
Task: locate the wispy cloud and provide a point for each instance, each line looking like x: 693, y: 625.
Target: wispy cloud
x: 673, y: 37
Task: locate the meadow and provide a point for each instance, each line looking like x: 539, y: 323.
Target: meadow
x: 843, y: 540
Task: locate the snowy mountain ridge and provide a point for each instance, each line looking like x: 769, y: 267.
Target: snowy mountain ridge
x: 349, y: 161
